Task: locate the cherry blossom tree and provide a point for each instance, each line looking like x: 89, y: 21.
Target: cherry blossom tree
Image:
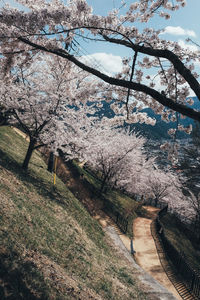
x: 40, y: 95
x: 27, y: 101
x: 135, y: 183
x: 194, y: 201
x: 162, y: 185
x: 189, y: 162
x: 4, y: 116
x: 57, y: 28
x: 166, y: 187
x: 75, y: 133
x: 111, y: 154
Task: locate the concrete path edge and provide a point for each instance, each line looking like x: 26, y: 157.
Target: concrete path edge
x: 153, y: 289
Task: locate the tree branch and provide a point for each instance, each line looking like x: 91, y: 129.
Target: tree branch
x: 167, y: 54
x: 162, y: 99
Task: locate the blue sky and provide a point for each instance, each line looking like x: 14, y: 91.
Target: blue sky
x: 184, y: 23
x: 187, y: 17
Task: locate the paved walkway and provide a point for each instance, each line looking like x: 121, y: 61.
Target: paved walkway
x: 146, y: 254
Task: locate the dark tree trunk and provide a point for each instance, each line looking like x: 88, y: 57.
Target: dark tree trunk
x: 50, y: 162
x: 29, y: 153
x: 103, y: 183
x: 4, y: 117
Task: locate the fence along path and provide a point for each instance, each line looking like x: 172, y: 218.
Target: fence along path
x: 185, y: 279
x: 146, y: 253
x: 169, y: 269
x: 115, y: 215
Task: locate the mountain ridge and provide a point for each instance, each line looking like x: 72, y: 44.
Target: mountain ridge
x: 159, y: 130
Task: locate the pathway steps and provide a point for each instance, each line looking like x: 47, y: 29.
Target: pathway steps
x: 171, y: 274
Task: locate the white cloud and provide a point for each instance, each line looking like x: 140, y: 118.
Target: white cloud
x: 179, y: 31
x: 106, y: 63
x: 190, y: 47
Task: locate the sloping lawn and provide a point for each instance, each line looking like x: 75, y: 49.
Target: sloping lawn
x: 50, y: 247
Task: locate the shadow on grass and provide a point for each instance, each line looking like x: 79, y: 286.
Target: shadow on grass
x: 29, y: 177
x: 19, y: 280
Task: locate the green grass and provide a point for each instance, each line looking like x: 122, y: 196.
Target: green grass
x: 125, y: 205
x: 50, y: 247
x: 128, y: 207
x: 179, y: 240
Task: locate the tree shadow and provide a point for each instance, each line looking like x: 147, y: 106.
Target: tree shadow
x: 30, y: 177
x: 20, y: 280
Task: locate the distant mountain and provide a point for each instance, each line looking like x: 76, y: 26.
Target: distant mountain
x: 156, y: 132
x: 159, y: 130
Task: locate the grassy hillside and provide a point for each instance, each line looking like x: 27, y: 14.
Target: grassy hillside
x: 125, y: 205
x: 174, y: 231
x: 50, y: 247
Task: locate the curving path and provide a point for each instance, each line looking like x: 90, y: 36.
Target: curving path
x: 146, y: 254
x: 153, y: 288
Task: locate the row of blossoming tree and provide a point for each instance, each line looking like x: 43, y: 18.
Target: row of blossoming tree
x: 35, y: 86
x: 48, y: 99
x: 57, y: 27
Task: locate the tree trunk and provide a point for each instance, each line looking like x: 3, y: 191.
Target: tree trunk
x: 50, y: 162
x: 29, y: 154
x: 103, y: 183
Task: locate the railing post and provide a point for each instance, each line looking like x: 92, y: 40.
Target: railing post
x: 126, y: 226
x: 132, y: 250
x: 117, y: 217
x: 192, y: 282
